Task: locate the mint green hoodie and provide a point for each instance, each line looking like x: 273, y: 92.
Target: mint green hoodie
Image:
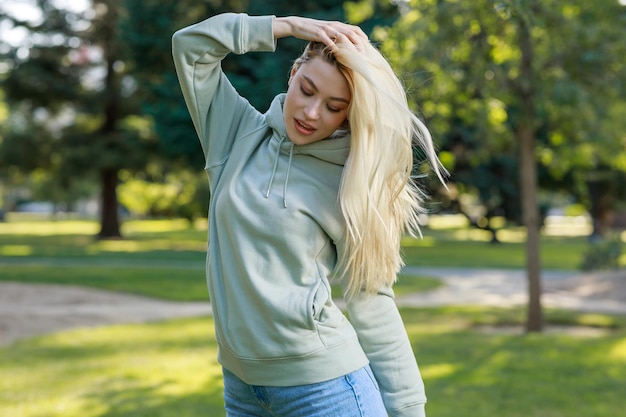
x: 275, y: 229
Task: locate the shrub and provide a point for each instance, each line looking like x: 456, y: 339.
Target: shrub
x: 603, y: 254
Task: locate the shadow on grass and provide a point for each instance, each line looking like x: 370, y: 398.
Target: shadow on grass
x: 169, y: 368
x: 89, y: 344
x: 556, y: 375
x: 149, y: 401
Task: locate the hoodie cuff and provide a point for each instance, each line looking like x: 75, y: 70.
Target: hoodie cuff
x: 417, y: 410
x: 258, y: 34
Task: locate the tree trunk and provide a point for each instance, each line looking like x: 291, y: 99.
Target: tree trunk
x: 109, y: 219
x: 109, y: 226
x: 601, y: 191
x: 525, y: 133
x: 530, y: 213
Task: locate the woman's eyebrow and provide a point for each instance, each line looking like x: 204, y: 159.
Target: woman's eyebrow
x: 310, y: 81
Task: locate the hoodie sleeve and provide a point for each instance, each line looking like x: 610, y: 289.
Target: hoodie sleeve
x: 217, y: 110
x: 383, y: 337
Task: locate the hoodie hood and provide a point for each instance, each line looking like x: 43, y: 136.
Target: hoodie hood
x: 334, y: 151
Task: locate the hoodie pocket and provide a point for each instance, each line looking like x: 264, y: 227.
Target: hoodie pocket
x: 318, y: 299
x: 330, y: 323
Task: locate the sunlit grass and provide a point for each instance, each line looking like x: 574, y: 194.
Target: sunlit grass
x: 449, y: 250
x: 49, y: 228
x: 161, y: 369
x: 16, y: 250
x: 618, y: 351
x: 154, y: 226
x: 145, y: 246
x: 169, y: 369
x: 421, y: 242
x: 554, y: 226
x: 143, y: 239
x: 512, y: 374
x: 64, y: 253
x: 159, y: 281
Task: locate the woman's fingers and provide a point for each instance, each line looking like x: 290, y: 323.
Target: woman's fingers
x: 344, y: 33
x: 327, y: 32
x: 351, y: 40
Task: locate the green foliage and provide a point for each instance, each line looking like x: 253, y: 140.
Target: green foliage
x: 71, y: 83
x: 56, y: 100
x: 172, y: 194
x: 147, y: 29
x: 603, y: 253
x: 461, y: 62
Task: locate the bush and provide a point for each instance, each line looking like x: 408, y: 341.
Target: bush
x: 603, y: 254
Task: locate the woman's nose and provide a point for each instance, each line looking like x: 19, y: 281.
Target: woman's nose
x: 312, y: 111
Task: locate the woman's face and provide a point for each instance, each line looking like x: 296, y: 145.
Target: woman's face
x: 317, y: 102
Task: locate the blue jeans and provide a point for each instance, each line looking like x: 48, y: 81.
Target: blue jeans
x: 352, y: 395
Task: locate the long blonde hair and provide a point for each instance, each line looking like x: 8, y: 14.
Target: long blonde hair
x: 379, y: 200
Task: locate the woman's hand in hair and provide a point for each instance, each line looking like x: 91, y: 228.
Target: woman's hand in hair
x: 323, y: 31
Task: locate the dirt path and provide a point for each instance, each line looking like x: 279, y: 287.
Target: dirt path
x: 32, y: 309
x: 603, y: 292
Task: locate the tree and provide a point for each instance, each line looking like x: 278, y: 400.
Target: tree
x: 259, y: 76
x: 68, y: 78
x: 36, y: 85
x: 146, y: 28
x: 97, y: 77
x: 520, y: 81
x: 524, y: 86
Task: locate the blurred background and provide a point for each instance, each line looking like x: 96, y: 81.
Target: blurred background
x: 102, y: 186
x: 525, y: 101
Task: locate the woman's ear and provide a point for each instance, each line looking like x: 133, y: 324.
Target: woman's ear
x: 293, y: 72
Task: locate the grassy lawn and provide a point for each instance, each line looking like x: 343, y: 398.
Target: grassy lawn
x: 169, y: 369
x: 165, y: 258
x: 441, y: 248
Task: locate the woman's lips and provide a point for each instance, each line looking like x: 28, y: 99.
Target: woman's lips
x: 303, y: 128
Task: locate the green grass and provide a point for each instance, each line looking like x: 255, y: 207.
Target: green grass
x: 147, y: 241
x: 548, y: 375
x: 165, y: 369
x: 169, y: 369
x: 471, y: 249
x: 165, y: 258
x: 176, y: 284
x: 175, y: 241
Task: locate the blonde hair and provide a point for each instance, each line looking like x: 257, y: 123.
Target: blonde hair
x: 379, y: 200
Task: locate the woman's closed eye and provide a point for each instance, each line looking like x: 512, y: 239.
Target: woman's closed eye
x: 308, y: 93
x: 305, y: 91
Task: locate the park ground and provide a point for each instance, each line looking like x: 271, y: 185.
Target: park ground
x: 29, y: 309
x: 123, y: 328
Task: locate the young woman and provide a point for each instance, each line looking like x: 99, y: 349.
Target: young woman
x: 313, y: 192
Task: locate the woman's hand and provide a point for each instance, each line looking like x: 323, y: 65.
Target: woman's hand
x: 323, y: 31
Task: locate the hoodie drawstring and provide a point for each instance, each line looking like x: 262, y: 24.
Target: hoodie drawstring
x: 287, y: 175
x: 269, y: 184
